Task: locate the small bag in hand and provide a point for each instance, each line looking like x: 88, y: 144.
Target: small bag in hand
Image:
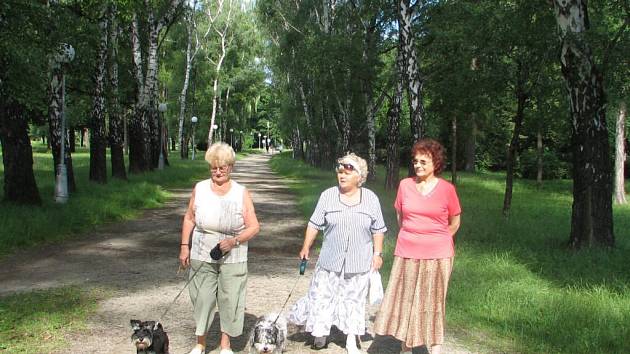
x: 216, y: 253
x: 376, y: 288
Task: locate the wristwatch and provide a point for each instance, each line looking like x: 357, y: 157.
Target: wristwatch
x: 378, y: 254
x: 238, y: 243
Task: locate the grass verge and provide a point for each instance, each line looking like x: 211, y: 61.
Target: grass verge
x: 515, y: 286
x: 38, y: 322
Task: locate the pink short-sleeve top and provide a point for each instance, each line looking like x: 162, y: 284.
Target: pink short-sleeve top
x: 424, y: 232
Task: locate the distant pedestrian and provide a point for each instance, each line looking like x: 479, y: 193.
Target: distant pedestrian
x: 428, y: 213
x: 220, y: 212
x: 352, y: 222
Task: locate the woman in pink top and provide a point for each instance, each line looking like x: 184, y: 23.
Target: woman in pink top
x: 428, y: 211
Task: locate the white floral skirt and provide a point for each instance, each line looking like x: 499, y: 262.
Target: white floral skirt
x: 333, y: 299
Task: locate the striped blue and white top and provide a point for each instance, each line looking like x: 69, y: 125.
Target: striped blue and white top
x: 348, y: 230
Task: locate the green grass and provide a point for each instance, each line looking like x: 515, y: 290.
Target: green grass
x: 92, y: 204
x: 515, y: 286
x: 38, y: 322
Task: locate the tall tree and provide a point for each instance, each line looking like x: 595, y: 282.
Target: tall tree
x: 591, y: 219
x: 116, y: 120
x: 98, y: 138
x: 620, y: 155
x: 220, y: 19
x: 141, y: 151
x: 23, y: 67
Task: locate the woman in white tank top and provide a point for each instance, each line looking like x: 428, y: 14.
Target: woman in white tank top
x: 220, y: 214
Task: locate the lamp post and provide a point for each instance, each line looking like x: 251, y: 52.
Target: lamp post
x: 240, y: 140
x: 193, y: 120
x: 232, y: 137
x: 162, y: 109
x: 64, y: 56
x: 258, y: 141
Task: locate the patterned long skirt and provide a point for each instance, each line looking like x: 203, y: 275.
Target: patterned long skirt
x: 413, y: 309
x: 333, y: 299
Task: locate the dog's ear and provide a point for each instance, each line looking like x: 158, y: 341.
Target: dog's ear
x: 149, y: 324
x: 135, y: 324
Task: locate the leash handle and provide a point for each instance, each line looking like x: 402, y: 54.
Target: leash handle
x: 303, y: 266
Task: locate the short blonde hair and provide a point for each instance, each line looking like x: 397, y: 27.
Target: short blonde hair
x: 359, y: 164
x: 220, y: 154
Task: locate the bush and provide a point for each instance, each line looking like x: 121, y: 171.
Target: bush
x: 553, y: 167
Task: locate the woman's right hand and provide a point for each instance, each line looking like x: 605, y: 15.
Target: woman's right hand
x: 184, y: 256
x: 304, y: 253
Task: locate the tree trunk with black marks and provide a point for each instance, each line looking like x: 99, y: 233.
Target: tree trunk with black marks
x: 116, y: 119
x: 138, y: 125
x: 17, y: 156
x: 620, y: 156
x: 591, y: 219
x: 98, y: 138
x: 406, y: 13
x: 55, y: 110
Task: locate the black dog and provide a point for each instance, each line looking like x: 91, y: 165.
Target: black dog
x: 149, y: 337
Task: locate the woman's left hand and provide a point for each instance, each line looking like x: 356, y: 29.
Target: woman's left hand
x: 227, y: 244
x: 377, y: 262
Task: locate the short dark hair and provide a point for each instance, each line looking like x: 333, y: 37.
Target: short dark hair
x: 432, y: 148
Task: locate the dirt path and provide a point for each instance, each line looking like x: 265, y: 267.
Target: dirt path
x: 137, y: 261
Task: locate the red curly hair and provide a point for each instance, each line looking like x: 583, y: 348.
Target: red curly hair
x: 433, y: 148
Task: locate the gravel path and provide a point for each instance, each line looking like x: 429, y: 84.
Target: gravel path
x: 137, y: 261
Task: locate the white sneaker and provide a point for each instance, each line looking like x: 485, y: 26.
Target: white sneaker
x: 226, y: 351
x: 352, y: 350
x: 197, y: 350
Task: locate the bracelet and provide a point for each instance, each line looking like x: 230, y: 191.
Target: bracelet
x: 183, y: 244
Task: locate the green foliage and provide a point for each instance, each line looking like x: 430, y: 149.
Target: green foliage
x: 38, y: 322
x: 515, y: 286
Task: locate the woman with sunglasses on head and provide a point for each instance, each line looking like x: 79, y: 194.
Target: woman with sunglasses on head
x: 352, y: 223
x: 218, y: 223
x: 428, y: 211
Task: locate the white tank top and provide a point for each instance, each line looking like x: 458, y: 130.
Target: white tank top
x: 217, y: 218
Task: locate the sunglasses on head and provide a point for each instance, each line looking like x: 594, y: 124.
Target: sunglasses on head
x: 345, y: 166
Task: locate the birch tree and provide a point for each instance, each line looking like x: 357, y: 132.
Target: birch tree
x: 193, y: 45
x: 116, y: 120
x: 591, y: 219
x: 141, y: 154
x: 620, y: 155
x: 98, y: 140
x: 220, y: 20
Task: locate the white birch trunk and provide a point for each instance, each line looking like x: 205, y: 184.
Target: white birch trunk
x: 620, y: 156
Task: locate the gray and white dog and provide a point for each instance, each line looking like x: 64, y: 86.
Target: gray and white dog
x: 269, y: 335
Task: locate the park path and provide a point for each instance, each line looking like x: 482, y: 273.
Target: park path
x: 136, y: 263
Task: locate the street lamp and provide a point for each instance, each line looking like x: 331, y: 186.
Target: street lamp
x: 162, y: 109
x: 232, y: 137
x: 193, y: 119
x: 240, y: 139
x: 258, y: 141
x: 64, y: 55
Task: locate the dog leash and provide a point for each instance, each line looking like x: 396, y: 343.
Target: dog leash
x: 178, y: 295
x: 302, y: 269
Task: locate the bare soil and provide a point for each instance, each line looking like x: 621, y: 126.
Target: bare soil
x: 136, y: 261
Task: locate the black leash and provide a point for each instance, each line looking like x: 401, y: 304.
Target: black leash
x: 178, y: 295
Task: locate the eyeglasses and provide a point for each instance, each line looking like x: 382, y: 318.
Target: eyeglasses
x: 345, y: 166
x: 221, y: 169
x: 422, y: 162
